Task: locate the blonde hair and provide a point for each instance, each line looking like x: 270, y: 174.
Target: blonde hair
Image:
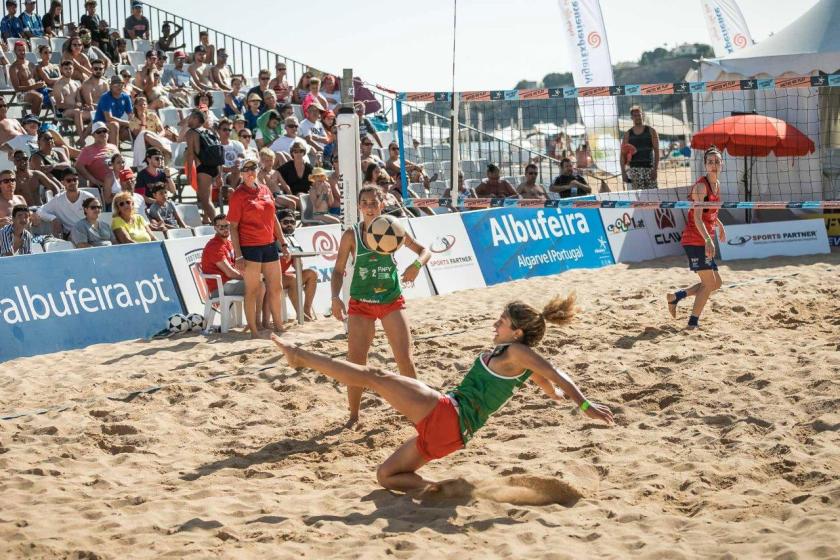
x: 119, y: 197
x: 559, y: 311
x: 266, y: 152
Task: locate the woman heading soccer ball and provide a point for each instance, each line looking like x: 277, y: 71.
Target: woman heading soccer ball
x: 375, y: 293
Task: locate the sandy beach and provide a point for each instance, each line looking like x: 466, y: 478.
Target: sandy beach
x: 726, y: 443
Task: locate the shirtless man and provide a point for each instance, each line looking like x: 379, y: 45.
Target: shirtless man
x: 89, y: 93
x: 68, y: 102
x: 209, y: 48
x: 29, y: 182
x: 9, y: 128
x: 200, y: 70
x: 529, y: 188
x: 220, y: 73
x: 22, y: 76
x: 8, y: 198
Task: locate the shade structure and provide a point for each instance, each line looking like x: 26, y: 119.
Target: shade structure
x: 754, y: 135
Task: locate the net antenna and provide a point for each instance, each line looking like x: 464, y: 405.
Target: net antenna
x: 349, y: 152
x: 454, y: 127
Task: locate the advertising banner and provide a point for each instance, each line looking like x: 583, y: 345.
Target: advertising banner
x: 71, y: 299
x: 791, y: 238
x: 727, y: 27
x: 628, y: 234
x: 453, y: 265
x: 665, y: 230
x: 516, y: 243
x: 185, y: 257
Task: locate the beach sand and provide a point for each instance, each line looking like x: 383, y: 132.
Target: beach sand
x: 726, y: 443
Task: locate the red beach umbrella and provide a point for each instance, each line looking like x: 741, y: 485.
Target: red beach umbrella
x: 754, y: 135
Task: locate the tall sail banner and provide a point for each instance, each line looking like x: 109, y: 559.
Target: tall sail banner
x: 586, y: 42
x: 727, y: 27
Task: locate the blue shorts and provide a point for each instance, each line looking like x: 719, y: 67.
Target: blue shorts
x: 261, y: 253
x: 697, y: 258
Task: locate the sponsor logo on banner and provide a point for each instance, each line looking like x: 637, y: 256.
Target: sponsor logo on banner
x: 324, y: 242
x: 60, y: 301
x: 534, y: 94
x: 665, y: 218
x: 791, y: 238
x: 185, y: 256
x: 724, y: 85
x: 593, y: 91
x: 514, y: 243
x: 834, y: 241
x: 453, y: 265
x: 798, y: 82
x: 832, y: 224
x: 625, y: 223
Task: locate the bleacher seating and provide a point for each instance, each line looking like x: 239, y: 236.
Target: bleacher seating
x: 54, y: 245
x: 189, y: 213
x: 179, y: 233
x: 204, y: 230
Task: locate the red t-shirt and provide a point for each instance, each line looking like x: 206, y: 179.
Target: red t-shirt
x: 253, y: 210
x: 217, y: 249
x: 97, y: 159
x: 691, y: 235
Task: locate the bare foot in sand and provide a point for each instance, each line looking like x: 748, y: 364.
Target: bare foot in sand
x: 672, y: 305
x: 289, y: 351
x: 354, y: 424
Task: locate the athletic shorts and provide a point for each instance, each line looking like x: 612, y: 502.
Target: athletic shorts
x: 375, y: 310
x: 640, y: 178
x: 697, y: 258
x: 439, y: 433
x: 211, y: 170
x: 261, y: 253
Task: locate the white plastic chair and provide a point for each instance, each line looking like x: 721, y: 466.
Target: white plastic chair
x: 58, y: 44
x: 179, y: 233
x: 142, y: 45
x: 204, y: 230
x: 137, y: 58
x: 189, y: 213
x: 36, y: 42
x: 36, y: 248
x: 307, y: 212
x: 32, y: 57
x: 158, y: 235
x: 230, y: 307
x: 55, y: 245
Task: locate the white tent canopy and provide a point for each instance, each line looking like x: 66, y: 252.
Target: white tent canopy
x: 665, y: 125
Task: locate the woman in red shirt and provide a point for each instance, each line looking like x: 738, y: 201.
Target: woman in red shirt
x: 698, y: 239
x: 258, y: 241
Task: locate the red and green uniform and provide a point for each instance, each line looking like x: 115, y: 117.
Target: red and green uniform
x: 375, y: 276
x: 481, y: 393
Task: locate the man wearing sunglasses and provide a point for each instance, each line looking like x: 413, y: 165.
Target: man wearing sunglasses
x: 529, y: 188
x: 8, y: 198
x: 310, y: 277
x: 65, y: 210
x: 93, y: 159
x: 217, y: 258
x: 199, y: 70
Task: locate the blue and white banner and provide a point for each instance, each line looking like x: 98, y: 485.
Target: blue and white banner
x: 71, y: 299
x: 516, y: 243
x: 727, y: 26
x: 760, y: 240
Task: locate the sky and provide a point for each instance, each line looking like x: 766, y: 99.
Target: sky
x: 407, y: 46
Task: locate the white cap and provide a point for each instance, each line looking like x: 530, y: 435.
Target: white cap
x: 98, y: 125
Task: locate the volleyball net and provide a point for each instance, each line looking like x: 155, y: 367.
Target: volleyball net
x: 780, y: 138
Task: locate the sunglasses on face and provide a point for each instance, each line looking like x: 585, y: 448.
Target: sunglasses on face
x: 8, y: 181
x: 222, y: 226
x: 531, y: 173
x: 264, y: 79
x: 125, y: 203
x: 291, y: 126
x: 244, y: 135
x: 94, y: 208
x: 101, y: 131
x: 224, y: 129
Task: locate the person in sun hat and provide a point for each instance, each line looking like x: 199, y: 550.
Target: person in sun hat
x: 136, y: 25
x: 321, y: 197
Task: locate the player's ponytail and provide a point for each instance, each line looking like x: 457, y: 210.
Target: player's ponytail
x: 558, y: 311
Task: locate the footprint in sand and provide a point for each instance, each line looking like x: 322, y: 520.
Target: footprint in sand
x: 524, y: 490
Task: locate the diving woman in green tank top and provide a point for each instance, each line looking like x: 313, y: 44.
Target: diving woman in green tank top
x: 375, y: 293
x: 445, y: 422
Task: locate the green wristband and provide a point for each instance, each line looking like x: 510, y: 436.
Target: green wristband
x: 418, y: 264
x: 584, y: 406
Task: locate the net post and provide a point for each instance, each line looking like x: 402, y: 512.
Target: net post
x: 454, y: 135
x: 349, y: 164
x: 400, y: 143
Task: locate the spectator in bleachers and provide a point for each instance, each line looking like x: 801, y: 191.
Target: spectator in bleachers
x: 269, y: 124
x: 31, y: 183
x: 167, y: 36
x: 153, y: 173
x: 45, y: 70
x: 8, y: 198
x: 314, y: 95
x: 128, y: 183
x: 3, y: 60
x: 493, y: 186
x: 329, y: 89
x: 90, y: 19
x: 271, y: 178
x: 234, y: 153
x: 263, y: 79
x: 178, y: 81
x: 366, y: 127
x: 136, y: 25
x: 90, y: 231
x: 392, y: 165
x: 65, y: 210
x: 114, y: 109
x: 366, y: 152
x: 220, y: 74
x: 90, y: 91
x: 53, y: 22
x: 32, y: 26
x: 49, y: 158
x: 246, y: 137
x: 15, y: 238
x: 102, y: 39
x: 148, y: 131
x: 569, y: 183
x: 296, y: 171
x: 309, y: 277
x: 163, y: 215
x: 156, y: 94
x: 67, y: 97
x: 210, y: 49
x: 311, y: 128
x: 91, y: 51
x: 252, y: 112
x: 22, y: 79
x: 127, y: 224
x: 330, y: 129
x: 9, y: 128
x: 127, y: 87
x: 121, y: 53
x: 199, y: 69
x: 28, y: 141
x: 279, y: 85
x: 72, y: 50
x: 374, y: 176
x: 218, y: 258
x: 93, y: 159
x: 234, y: 99
x: 529, y: 187
x: 302, y: 89
x: 256, y: 235
x: 142, y: 73
x: 282, y: 144
x: 11, y: 25
x: 321, y: 197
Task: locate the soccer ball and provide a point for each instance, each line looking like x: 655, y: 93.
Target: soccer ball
x: 178, y: 323
x: 385, y: 235
x: 196, y: 320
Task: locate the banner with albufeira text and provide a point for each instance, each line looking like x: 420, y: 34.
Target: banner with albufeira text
x: 727, y: 27
x: 589, y: 53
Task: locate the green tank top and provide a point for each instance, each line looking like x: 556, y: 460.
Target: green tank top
x: 481, y: 393
x: 375, y: 276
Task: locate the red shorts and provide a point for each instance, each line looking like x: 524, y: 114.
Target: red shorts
x: 439, y: 433
x: 375, y: 310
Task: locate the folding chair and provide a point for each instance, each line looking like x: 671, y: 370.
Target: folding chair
x: 230, y: 307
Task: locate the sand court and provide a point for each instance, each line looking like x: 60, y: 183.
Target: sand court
x: 726, y: 443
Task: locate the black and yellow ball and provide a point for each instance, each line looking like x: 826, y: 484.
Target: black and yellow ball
x: 385, y: 235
